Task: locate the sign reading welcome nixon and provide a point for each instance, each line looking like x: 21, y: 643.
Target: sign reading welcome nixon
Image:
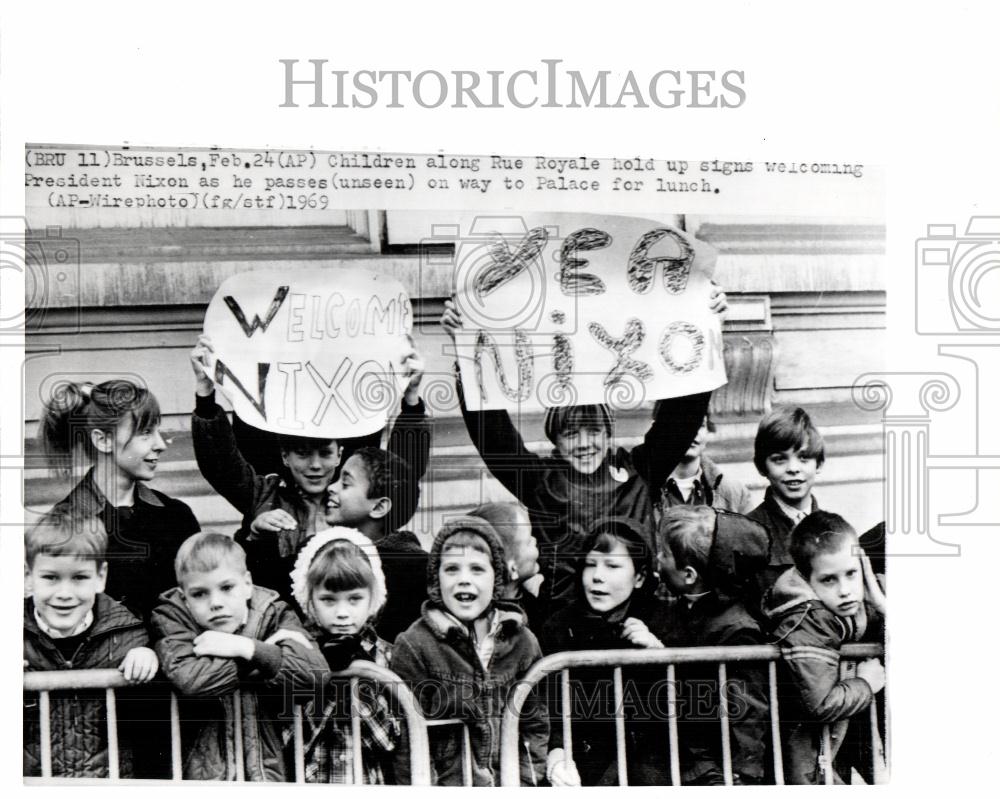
x: 311, y: 352
x: 571, y: 309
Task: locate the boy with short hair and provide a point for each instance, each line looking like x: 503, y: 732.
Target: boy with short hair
x: 218, y: 634
x: 465, y: 654
x: 512, y: 524
x: 707, y: 558
x: 69, y: 623
x: 829, y: 598
x: 789, y: 452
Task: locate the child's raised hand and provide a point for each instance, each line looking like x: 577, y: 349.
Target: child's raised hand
x: 451, y: 319
x: 637, y: 633
x: 140, y: 664
x: 562, y: 771
x: 273, y: 521
x: 212, y: 643
x: 873, y: 590
x: 873, y: 673
x: 413, y: 366
x: 718, y: 303
x: 201, y: 358
x: 289, y: 635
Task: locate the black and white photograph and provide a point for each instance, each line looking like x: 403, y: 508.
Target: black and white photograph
x: 524, y: 396
x: 448, y: 497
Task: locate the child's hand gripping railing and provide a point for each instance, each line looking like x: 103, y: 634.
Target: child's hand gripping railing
x: 45, y: 682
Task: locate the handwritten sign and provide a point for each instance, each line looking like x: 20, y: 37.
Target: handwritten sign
x: 575, y: 309
x: 312, y: 352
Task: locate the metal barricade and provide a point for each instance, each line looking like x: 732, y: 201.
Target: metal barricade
x: 110, y: 680
x: 616, y: 659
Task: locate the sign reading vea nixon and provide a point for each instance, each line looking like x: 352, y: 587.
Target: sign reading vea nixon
x: 570, y: 309
x: 311, y: 352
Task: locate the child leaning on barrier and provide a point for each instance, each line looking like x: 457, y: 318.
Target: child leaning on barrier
x: 70, y: 624
x: 218, y: 633
x: 465, y: 655
x: 615, y: 584
x: 709, y: 561
x: 829, y: 598
x: 339, y: 585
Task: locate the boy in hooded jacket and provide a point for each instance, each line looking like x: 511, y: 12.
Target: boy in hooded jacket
x: 829, y: 598
x: 218, y: 633
x: 465, y: 654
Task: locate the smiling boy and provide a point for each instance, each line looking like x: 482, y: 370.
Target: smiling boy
x: 219, y: 633
x: 789, y: 452
x: 70, y: 624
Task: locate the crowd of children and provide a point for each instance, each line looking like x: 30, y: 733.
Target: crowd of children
x: 604, y: 549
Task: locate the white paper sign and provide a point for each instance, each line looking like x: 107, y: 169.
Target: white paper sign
x: 312, y: 352
x: 589, y: 309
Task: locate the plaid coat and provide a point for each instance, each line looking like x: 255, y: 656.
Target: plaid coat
x: 327, y: 728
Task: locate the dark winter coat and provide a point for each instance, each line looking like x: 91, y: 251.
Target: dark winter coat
x: 815, y: 693
x: 577, y: 627
x: 78, y: 719
x: 276, y: 671
x: 564, y: 504
x: 437, y: 657
x: 142, y: 540
x: 717, y: 620
x: 770, y: 515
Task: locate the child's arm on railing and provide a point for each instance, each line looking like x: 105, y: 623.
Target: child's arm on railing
x: 192, y: 673
x: 812, y: 653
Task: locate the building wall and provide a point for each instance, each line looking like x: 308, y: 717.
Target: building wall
x: 807, y: 317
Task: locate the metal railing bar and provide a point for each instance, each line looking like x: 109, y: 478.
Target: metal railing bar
x: 45, y: 728
x: 620, y: 726
x: 112, y: 720
x: 727, y: 753
x: 298, y: 744
x: 358, y: 776
x: 176, y: 764
x: 772, y: 689
x: 567, y: 702
x: 672, y: 738
x: 238, y: 735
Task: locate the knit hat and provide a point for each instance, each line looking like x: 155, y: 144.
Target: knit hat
x: 312, y: 548
x: 556, y: 418
x: 476, y: 526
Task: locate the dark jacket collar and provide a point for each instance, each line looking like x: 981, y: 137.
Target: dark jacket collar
x: 90, y: 498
